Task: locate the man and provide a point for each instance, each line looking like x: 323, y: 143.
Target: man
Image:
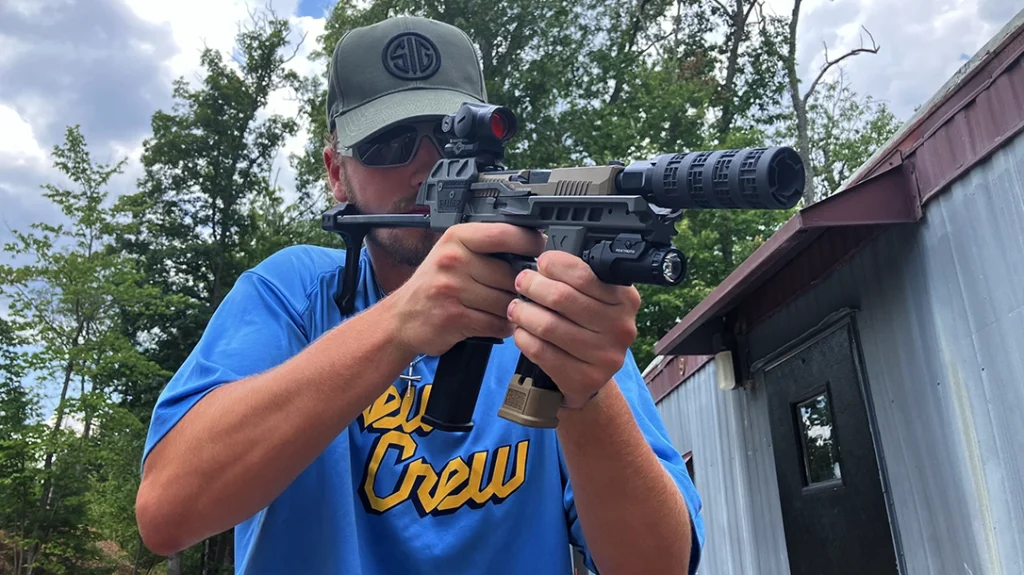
x: 302, y: 428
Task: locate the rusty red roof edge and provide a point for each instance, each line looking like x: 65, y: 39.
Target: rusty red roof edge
x: 958, y: 92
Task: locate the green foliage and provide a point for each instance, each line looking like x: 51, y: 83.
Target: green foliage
x: 845, y: 130
x: 207, y: 207
x: 596, y: 81
x: 64, y: 306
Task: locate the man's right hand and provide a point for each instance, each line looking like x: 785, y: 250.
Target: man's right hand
x: 461, y: 290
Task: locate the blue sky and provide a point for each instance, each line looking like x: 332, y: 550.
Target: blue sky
x: 313, y: 8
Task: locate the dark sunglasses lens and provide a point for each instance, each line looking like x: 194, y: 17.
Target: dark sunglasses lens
x: 393, y: 147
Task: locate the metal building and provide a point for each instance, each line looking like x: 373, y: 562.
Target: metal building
x: 852, y: 396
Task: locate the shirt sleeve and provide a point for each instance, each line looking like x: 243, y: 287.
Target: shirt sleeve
x: 648, y: 419
x: 255, y: 328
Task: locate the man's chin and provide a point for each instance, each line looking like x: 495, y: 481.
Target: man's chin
x: 408, y: 246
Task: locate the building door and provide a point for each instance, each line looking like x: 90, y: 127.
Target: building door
x: 833, y: 508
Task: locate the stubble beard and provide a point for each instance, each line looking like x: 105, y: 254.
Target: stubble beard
x: 404, y: 246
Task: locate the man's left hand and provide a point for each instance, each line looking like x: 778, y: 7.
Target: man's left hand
x: 576, y: 327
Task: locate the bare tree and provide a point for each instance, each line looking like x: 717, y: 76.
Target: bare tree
x: 800, y: 101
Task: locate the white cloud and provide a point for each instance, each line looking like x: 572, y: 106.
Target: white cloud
x: 18, y: 144
x: 34, y: 8
x: 10, y: 49
x: 199, y: 24
x: 284, y: 103
x: 109, y: 64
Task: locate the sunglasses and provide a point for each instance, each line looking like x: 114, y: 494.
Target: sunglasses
x: 397, y: 146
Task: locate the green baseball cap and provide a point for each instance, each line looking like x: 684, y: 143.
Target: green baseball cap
x: 399, y: 69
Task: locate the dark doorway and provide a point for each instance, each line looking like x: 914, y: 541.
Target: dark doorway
x: 834, y: 511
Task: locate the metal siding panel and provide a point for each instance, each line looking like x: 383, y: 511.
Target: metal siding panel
x: 941, y: 323
x: 984, y: 213
x: 728, y: 433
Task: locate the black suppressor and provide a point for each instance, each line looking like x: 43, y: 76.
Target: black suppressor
x: 747, y: 179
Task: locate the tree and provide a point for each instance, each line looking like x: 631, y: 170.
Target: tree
x: 114, y: 300
x: 594, y: 81
x: 63, y: 306
x: 206, y: 208
x: 19, y: 430
x: 801, y: 102
x: 530, y: 54
x: 845, y: 129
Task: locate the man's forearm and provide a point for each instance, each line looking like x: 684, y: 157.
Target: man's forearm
x: 244, y: 442
x: 633, y: 516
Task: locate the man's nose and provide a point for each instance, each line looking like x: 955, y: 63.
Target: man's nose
x: 426, y: 156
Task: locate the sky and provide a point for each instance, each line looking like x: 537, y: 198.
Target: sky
x: 108, y: 65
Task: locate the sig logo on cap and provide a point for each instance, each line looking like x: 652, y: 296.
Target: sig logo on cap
x: 411, y: 56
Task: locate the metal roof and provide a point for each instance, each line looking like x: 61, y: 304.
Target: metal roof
x: 978, y: 110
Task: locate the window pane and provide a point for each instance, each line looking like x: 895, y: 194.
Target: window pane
x: 821, y: 454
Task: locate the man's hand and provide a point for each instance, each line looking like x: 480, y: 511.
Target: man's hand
x: 578, y: 330
x: 576, y: 327
x: 461, y: 290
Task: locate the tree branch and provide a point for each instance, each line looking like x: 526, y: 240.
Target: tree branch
x: 829, y: 63
x: 630, y: 44
x: 750, y: 8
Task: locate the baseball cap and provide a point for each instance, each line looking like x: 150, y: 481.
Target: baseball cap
x: 402, y: 68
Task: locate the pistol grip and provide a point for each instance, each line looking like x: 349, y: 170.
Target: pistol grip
x: 519, y: 263
x: 456, y: 386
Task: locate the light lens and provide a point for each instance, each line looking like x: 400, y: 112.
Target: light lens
x: 672, y: 267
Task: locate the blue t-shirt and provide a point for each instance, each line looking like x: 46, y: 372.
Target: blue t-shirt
x: 391, y: 495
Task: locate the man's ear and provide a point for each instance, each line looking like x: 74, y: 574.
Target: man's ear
x: 332, y: 162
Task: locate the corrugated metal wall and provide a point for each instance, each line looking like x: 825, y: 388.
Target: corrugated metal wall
x: 734, y: 472
x: 942, y: 329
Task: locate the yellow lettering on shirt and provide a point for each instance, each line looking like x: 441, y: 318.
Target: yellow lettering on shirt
x: 459, y: 482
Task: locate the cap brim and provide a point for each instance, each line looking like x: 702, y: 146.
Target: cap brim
x: 374, y: 116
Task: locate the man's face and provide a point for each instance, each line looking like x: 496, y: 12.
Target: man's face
x: 388, y: 190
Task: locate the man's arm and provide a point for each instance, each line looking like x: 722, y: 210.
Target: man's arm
x: 244, y: 442
x: 632, y: 514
